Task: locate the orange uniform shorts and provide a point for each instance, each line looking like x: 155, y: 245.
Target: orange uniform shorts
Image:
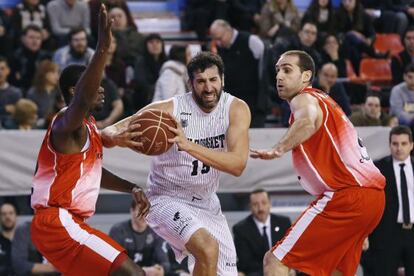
x: 71, y: 245
x: 329, y: 234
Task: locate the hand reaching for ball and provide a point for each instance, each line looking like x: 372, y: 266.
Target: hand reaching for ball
x: 180, y: 139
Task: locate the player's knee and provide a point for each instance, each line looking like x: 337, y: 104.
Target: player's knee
x: 203, y: 246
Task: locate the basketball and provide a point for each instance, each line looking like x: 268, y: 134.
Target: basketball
x: 155, y: 133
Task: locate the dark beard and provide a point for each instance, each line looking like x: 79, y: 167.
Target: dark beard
x: 200, y: 102
x: 76, y: 54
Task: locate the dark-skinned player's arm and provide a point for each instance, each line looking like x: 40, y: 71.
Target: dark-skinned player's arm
x: 69, y: 125
x: 308, y: 119
x: 115, y: 183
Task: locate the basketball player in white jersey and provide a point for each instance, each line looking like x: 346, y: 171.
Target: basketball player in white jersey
x: 212, y: 136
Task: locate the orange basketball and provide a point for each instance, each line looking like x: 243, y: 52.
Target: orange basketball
x: 155, y: 133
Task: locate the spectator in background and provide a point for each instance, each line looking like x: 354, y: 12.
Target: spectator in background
x: 130, y: 42
x: 279, y: 18
x: 94, y: 6
x: 147, y: 70
x: 9, y: 94
x: 404, y: 58
x: 76, y: 52
x: 8, y: 218
x: 26, y: 58
x: 322, y: 14
x: 66, y: 15
x: 198, y: 15
x: 255, y: 235
x: 242, y: 54
x: 24, y: 117
x: 5, y: 34
x: 402, y: 98
x: 244, y: 15
x: 331, y: 52
x: 357, y: 31
x: 173, y: 74
x: 26, y: 259
x: 392, y: 241
x: 45, y: 92
x: 116, y: 70
x: 32, y: 12
x: 371, y: 114
x: 143, y: 246
x: 327, y: 82
x: 113, y: 107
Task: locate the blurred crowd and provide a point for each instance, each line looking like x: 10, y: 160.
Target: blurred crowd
x: 40, y: 38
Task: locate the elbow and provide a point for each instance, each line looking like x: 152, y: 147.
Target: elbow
x: 238, y: 169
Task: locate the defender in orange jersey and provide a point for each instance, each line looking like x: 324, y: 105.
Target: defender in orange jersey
x: 331, y: 163
x: 69, y: 175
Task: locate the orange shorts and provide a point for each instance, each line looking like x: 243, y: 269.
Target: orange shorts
x: 72, y: 246
x: 329, y: 234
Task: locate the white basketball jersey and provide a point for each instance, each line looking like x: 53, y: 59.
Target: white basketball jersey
x: 176, y: 172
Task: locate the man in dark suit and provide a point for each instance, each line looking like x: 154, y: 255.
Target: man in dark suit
x: 257, y: 233
x: 392, y: 242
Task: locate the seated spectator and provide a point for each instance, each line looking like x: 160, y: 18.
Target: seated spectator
x: 24, y: 117
x: 76, y: 52
x: 404, y: 58
x: 32, y: 12
x: 173, y: 75
x: 331, y: 52
x: 45, y: 92
x: 244, y: 15
x: 257, y: 233
x: 116, y: 70
x: 26, y: 260
x: 321, y: 12
x: 327, y: 82
x: 357, y: 31
x: 143, y: 246
x: 130, y: 43
x: 66, y: 15
x: 371, y: 114
x: 279, y: 18
x: 113, y: 107
x: 402, y: 98
x: 8, y: 218
x: 25, y: 59
x: 147, y: 70
x: 9, y: 94
x: 95, y: 5
x: 198, y: 15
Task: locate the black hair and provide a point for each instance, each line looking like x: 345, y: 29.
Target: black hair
x: 398, y: 130
x: 178, y: 53
x: 31, y: 27
x: 409, y: 68
x: 68, y: 79
x: 75, y: 31
x: 305, y: 63
x: 204, y: 60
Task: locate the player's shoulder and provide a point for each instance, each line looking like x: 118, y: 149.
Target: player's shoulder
x: 239, y: 105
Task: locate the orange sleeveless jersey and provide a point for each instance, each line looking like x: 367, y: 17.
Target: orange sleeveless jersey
x: 334, y: 157
x: 69, y: 181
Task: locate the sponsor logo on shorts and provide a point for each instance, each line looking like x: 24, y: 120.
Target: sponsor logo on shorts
x: 231, y: 264
x: 176, y: 216
x: 182, y: 223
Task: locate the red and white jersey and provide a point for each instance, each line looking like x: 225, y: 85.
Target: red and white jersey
x: 69, y: 181
x: 334, y: 157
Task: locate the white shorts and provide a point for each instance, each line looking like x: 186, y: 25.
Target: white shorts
x: 176, y: 221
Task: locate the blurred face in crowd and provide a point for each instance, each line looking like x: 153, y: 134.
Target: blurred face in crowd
x: 289, y: 78
x: 112, y: 47
x: 4, y: 72
x: 349, y: 5
x: 8, y: 217
x: 281, y: 4
x: 409, y: 41
x: 373, y: 107
x: 52, y: 77
x: 307, y: 34
x: 409, y: 80
x: 154, y: 47
x: 32, y: 2
x: 323, y: 3
x: 221, y: 35
x: 260, y: 206
x: 119, y: 17
x: 400, y: 146
x: 79, y: 43
x: 331, y: 44
x: 327, y: 76
x: 32, y: 40
x: 207, y: 87
x: 70, y: 2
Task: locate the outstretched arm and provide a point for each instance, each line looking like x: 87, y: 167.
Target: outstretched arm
x: 112, y: 182
x: 232, y: 161
x: 308, y: 119
x: 85, y: 91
